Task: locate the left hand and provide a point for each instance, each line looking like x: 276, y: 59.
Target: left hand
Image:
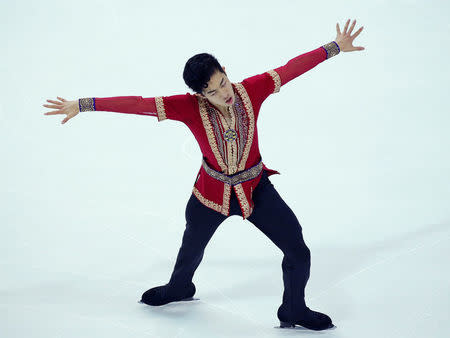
x: 345, y: 40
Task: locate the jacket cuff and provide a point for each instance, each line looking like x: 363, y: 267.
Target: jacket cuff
x: 332, y: 49
x: 86, y: 104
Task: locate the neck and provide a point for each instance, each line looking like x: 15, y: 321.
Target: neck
x: 222, y: 109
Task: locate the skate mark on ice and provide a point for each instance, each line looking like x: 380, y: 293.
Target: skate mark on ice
x: 382, y: 261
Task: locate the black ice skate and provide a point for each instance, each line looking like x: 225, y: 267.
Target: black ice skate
x: 163, y: 294
x: 311, y: 320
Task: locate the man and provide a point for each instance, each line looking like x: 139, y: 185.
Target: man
x: 232, y: 179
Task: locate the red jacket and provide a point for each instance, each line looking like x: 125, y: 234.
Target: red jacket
x: 207, y: 126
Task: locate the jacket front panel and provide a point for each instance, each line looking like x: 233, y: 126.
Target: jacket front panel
x: 244, y: 152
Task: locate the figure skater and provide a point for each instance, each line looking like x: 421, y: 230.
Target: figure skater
x: 232, y: 179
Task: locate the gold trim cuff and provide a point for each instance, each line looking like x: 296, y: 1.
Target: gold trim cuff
x: 86, y: 104
x: 332, y: 49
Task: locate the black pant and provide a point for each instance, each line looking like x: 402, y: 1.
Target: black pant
x: 274, y: 218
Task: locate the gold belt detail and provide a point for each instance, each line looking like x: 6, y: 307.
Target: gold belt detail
x: 237, y: 178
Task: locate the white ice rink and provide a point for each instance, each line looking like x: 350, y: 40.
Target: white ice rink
x: 92, y: 211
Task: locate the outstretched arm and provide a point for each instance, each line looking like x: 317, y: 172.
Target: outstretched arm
x: 176, y: 107
x: 262, y: 85
x: 121, y: 104
x: 304, y: 62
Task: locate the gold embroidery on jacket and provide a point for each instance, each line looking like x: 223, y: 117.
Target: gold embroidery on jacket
x: 160, y: 108
x: 251, y: 127
x: 215, y: 124
x: 242, y: 122
x: 243, y: 200
x: 210, y: 132
x: 230, y: 153
x: 231, y: 146
x: 207, y: 202
x: 226, y: 198
x: 276, y: 79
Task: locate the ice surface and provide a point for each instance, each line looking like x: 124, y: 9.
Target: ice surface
x: 92, y: 212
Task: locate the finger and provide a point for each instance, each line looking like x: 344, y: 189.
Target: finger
x: 337, y: 28
x: 64, y: 100
x: 357, y: 32
x: 54, y: 112
x: 346, y: 26
x: 356, y: 48
x: 55, y: 102
x: 352, y: 26
x: 52, y: 106
x: 64, y: 121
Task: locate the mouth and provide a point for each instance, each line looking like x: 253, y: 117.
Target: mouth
x: 229, y: 100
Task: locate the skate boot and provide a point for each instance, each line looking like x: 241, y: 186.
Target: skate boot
x: 164, y: 294
x: 311, y: 320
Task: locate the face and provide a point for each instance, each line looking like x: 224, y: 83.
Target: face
x: 219, y: 90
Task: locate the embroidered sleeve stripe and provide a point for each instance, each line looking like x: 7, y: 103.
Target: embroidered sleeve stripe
x: 276, y: 79
x: 160, y: 108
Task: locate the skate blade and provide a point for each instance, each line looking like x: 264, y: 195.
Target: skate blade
x: 284, y: 325
x: 187, y: 299
x: 176, y: 301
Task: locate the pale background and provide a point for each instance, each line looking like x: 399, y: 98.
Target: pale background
x: 93, y: 210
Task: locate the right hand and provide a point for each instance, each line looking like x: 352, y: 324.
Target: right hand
x: 70, y: 108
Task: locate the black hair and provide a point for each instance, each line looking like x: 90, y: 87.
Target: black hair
x: 198, y: 71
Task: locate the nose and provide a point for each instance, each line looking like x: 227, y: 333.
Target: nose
x: 226, y: 95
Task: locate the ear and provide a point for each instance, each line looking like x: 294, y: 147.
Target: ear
x: 223, y: 67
